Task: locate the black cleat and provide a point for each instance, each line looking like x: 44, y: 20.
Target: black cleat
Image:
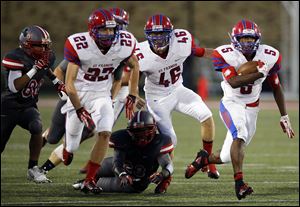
x: 243, y: 190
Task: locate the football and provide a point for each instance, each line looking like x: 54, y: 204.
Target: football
x: 247, y: 68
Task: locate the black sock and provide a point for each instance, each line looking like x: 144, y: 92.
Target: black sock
x: 32, y: 163
x: 48, y: 165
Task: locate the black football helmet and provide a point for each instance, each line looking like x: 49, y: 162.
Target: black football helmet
x: 32, y: 36
x: 142, y: 127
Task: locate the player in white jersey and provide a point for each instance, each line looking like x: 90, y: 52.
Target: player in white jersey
x: 93, y: 56
x: 161, y: 60
x: 239, y: 105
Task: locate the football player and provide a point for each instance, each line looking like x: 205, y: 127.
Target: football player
x: 93, y: 56
x: 57, y: 129
x: 239, y: 105
x: 26, y: 68
x: 161, y: 59
x: 138, y: 152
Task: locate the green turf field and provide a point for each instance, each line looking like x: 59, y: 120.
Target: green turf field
x: 271, y: 167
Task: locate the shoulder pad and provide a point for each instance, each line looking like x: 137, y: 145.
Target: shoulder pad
x: 13, y: 60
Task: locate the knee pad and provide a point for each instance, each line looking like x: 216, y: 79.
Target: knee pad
x: 35, y: 127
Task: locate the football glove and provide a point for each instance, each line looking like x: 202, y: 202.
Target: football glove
x: 130, y: 101
x: 61, y: 90
x: 41, y: 64
x: 286, y: 126
x: 262, y: 68
x: 125, y: 179
x: 85, y: 117
x: 156, y: 177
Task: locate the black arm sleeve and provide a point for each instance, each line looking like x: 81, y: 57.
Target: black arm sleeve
x: 118, y: 161
x: 50, y: 74
x: 63, y: 65
x: 118, y: 72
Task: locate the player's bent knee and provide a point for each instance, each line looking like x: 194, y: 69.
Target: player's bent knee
x: 35, y: 127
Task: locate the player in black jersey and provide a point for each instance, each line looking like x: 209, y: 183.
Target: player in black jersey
x: 139, y: 150
x: 26, y: 68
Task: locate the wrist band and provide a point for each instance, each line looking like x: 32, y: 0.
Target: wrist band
x: 31, y: 73
x: 122, y: 173
x: 56, y: 80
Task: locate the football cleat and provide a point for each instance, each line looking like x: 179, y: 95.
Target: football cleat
x: 200, y: 161
x: 213, y: 172
x: 163, y: 185
x: 77, y: 185
x: 67, y: 157
x: 37, y: 175
x: 90, y: 186
x: 243, y: 190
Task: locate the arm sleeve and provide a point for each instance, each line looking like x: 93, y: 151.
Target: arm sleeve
x: 273, y: 80
x: 63, y: 65
x: 196, y: 50
x: 166, y: 164
x: 12, y: 76
x: 118, y: 161
x: 118, y: 72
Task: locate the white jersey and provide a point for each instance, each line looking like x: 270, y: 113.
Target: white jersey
x: 96, y: 68
x: 233, y: 57
x: 164, y: 75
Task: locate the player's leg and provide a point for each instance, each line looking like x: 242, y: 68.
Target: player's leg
x: 234, y: 116
x: 8, y: 123
x: 54, y: 159
x: 104, y: 119
x: 74, y: 128
x: 56, y: 131
x: 31, y: 121
x: 191, y: 104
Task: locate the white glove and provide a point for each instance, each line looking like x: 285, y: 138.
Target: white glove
x: 262, y: 68
x: 286, y: 126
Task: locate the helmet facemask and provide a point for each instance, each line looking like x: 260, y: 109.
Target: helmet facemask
x: 142, y: 135
x: 102, y: 39
x: 158, y: 40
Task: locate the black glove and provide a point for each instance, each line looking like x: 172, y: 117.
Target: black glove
x: 125, y: 179
x: 85, y: 117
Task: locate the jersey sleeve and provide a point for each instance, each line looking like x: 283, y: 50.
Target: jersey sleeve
x: 276, y: 67
x: 196, y: 50
x: 12, y: 62
x: 221, y: 65
x: 70, y: 54
x: 167, y: 145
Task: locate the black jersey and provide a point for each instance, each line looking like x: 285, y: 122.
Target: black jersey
x: 17, y: 59
x: 140, y: 162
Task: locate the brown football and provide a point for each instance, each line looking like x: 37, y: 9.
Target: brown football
x: 247, y: 68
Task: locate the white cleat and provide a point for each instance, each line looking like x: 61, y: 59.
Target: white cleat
x: 37, y: 175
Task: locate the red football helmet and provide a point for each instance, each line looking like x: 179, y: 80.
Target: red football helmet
x: 142, y: 128
x: 245, y: 28
x: 32, y: 36
x: 121, y: 17
x: 98, y: 20
x: 158, y: 31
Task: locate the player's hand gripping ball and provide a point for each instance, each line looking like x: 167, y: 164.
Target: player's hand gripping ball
x: 247, y: 68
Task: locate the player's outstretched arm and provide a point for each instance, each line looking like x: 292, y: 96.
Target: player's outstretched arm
x: 278, y: 94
